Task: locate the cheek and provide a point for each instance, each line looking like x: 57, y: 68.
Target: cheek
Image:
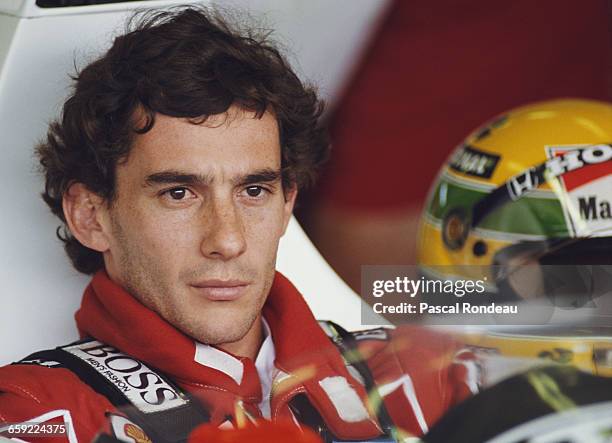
x: 264, y: 228
x: 160, y: 235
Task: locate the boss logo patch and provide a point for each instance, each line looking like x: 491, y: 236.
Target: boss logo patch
x: 142, y: 386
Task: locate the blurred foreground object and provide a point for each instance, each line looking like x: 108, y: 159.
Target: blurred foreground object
x: 588, y: 349
x: 262, y: 432
x: 545, y: 405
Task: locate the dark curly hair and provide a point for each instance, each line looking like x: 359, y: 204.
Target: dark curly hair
x: 188, y: 63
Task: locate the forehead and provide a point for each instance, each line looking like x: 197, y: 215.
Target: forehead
x: 234, y: 142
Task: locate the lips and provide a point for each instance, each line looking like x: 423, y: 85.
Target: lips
x: 221, y: 290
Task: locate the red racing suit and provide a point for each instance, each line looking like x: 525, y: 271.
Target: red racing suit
x: 416, y: 371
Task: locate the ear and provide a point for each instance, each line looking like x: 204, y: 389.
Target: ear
x: 290, y: 196
x: 86, y: 213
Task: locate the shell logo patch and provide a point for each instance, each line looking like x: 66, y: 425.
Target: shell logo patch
x: 137, y: 434
x: 125, y: 430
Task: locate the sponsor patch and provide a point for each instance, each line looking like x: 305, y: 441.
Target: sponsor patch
x: 586, y: 184
x: 471, y: 161
x: 125, y: 430
x: 563, y: 161
x: 142, y: 386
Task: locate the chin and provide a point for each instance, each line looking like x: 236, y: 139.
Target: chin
x: 213, y: 331
x: 220, y: 338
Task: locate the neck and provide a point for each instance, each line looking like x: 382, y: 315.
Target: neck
x: 248, y: 346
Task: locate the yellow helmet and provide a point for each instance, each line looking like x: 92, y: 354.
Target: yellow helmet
x: 531, y: 181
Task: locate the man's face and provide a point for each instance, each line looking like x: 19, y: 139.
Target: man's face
x: 195, y: 225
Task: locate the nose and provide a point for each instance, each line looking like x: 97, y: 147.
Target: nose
x: 224, y: 237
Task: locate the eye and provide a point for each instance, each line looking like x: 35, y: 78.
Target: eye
x: 178, y: 194
x: 254, y: 191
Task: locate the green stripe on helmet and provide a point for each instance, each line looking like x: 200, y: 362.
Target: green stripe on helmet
x: 529, y: 216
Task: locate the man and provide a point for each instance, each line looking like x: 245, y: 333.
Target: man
x: 175, y: 168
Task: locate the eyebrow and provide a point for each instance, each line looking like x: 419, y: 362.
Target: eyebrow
x: 260, y: 176
x: 265, y: 175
